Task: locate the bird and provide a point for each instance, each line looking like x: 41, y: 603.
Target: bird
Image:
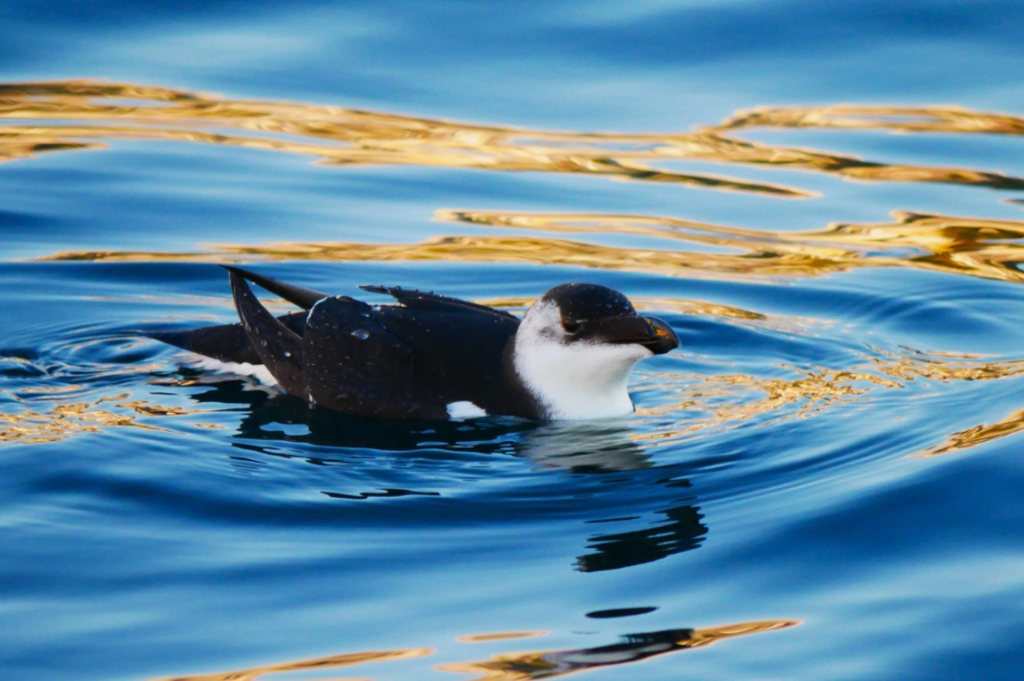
x: 430, y: 357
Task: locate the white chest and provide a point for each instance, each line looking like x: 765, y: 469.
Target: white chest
x: 578, y: 380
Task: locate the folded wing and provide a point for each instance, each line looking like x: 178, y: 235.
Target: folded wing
x: 404, y: 361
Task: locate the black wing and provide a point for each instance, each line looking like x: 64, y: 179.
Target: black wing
x: 419, y: 300
x: 278, y: 347
x: 466, y: 344
x: 405, y: 361
x: 354, y: 364
x: 465, y: 350
x: 413, y: 359
x: 227, y: 342
x: 305, y: 298
x: 230, y: 342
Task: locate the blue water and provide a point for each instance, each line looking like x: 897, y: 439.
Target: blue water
x: 823, y: 483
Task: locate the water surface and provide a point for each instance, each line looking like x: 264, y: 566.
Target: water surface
x: 824, y: 482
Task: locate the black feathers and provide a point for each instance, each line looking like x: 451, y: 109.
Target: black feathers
x: 405, y: 361
x: 278, y: 347
x: 588, y: 302
x: 414, y: 360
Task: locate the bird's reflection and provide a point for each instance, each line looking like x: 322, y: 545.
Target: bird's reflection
x: 643, y: 534
x: 682, y: 530
x: 606, y: 447
x: 585, y: 447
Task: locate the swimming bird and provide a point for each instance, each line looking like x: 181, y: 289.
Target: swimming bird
x: 431, y: 357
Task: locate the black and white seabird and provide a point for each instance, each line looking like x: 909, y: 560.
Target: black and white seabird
x: 431, y: 357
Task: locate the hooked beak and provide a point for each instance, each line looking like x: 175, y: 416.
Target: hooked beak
x: 650, y: 332
x: 663, y: 338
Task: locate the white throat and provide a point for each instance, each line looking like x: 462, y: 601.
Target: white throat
x: 573, y: 380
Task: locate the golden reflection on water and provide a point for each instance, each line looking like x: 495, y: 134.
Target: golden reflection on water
x: 67, y: 115
x: 65, y: 420
x: 944, y: 119
x: 990, y: 249
x: 937, y: 366
x: 725, y: 401
x: 332, y: 662
x: 729, y: 401
x: 341, y: 136
x: 551, y: 664
x: 977, y: 435
x: 523, y: 666
x: 500, y: 636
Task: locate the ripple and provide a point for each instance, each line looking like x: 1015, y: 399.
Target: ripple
x: 821, y: 362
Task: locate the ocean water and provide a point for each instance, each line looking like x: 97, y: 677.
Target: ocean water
x: 823, y: 199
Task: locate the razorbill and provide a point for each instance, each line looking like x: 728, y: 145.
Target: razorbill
x: 431, y: 357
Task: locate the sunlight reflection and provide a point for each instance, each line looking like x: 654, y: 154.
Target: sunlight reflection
x: 65, y: 420
x: 990, y: 249
x: 521, y: 666
x: 340, y: 136
x: 977, y: 435
x: 725, y: 402
x: 332, y: 662
x: 944, y: 119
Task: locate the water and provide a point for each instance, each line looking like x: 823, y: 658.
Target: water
x: 824, y: 483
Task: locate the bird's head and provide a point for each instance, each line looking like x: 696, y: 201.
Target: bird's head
x: 576, y: 346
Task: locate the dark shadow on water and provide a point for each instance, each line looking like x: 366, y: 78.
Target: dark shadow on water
x: 674, y: 526
x: 578, y: 447
x: 588, y: 447
x: 681, y: 531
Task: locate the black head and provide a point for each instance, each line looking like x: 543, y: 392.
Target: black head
x: 582, y: 303
x: 597, y: 314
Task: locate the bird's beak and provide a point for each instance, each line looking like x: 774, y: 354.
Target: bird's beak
x: 662, y: 338
x: 650, y: 332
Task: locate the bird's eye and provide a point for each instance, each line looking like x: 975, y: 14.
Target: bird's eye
x: 570, y: 325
